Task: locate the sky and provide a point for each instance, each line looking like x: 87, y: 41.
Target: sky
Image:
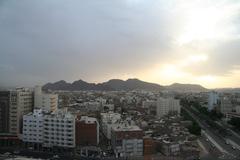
x: 160, y: 41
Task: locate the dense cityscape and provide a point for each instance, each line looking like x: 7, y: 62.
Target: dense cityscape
x: 135, y: 124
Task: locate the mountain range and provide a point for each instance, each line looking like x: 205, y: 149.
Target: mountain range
x: 118, y: 85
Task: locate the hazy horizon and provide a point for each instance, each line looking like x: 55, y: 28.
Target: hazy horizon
x: 163, y: 42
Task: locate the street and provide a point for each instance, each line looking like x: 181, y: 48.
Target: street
x: 215, y: 139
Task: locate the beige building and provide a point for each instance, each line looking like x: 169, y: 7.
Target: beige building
x: 226, y: 105
x: 21, y: 103
x: 167, y: 105
x: 45, y: 101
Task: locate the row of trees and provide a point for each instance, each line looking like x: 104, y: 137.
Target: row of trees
x: 235, y: 122
x: 194, y: 128
x: 213, y: 114
x: 208, y: 116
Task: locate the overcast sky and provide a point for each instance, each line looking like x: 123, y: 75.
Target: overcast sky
x: 161, y: 41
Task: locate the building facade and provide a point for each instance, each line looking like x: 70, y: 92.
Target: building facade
x: 4, y: 111
x: 49, y: 129
x: 127, y: 140
x: 167, y: 105
x: 59, y: 130
x: 33, y: 127
x: 45, y: 101
x: 108, y: 120
x: 21, y: 103
x: 213, y: 100
x: 226, y: 105
x: 87, y: 131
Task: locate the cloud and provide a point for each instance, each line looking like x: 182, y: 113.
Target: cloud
x: 96, y: 40
x: 59, y: 39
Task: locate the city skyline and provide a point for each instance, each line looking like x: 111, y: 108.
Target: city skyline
x: 163, y: 42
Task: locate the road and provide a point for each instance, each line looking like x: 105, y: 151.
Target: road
x: 215, y: 138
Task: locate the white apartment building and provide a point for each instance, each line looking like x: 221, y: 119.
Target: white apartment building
x: 33, y: 127
x: 167, y: 105
x: 108, y: 120
x: 49, y: 129
x: 59, y: 130
x: 21, y: 103
x: 127, y: 140
x: 213, y: 99
x: 45, y: 101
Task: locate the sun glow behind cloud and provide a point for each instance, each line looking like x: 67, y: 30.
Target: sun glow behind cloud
x: 207, y: 22
x: 202, y: 26
x: 186, y: 41
x: 177, y: 71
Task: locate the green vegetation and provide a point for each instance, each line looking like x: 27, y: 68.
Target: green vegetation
x: 209, y: 117
x: 235, y: 122
x: 194, y: 128
x: 213, y: 115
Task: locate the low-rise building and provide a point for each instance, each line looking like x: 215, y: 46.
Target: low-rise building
x: 170, y: 148
x: 127, y: 140
x: 108, y: 120
x: 87, y: 131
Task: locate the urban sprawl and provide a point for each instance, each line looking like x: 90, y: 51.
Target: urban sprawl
x: 119, y: 124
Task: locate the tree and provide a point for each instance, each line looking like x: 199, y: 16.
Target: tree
x: 195, y: 129
x: 235, y: 122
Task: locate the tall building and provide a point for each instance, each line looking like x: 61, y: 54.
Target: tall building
x: 127, y: 140
x: 87, y: 131
x: 21, y: 103
x: 167, y: 105
x: 4, y: 111
x: 49, y: 129
x: 45, y: 101
x: 59, y: 130
x: 213, y: 100
x: 33, y: 127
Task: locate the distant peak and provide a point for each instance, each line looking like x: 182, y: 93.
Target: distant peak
x: 79, y: 81
x: 115, y: 80
x: 133, y: 79
x: 61, y: 81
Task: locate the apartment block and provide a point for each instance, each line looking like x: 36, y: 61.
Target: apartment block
x: 33, y: 127
x: 167, y: 105
x: 59, y: 130
x: 127, y: 140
